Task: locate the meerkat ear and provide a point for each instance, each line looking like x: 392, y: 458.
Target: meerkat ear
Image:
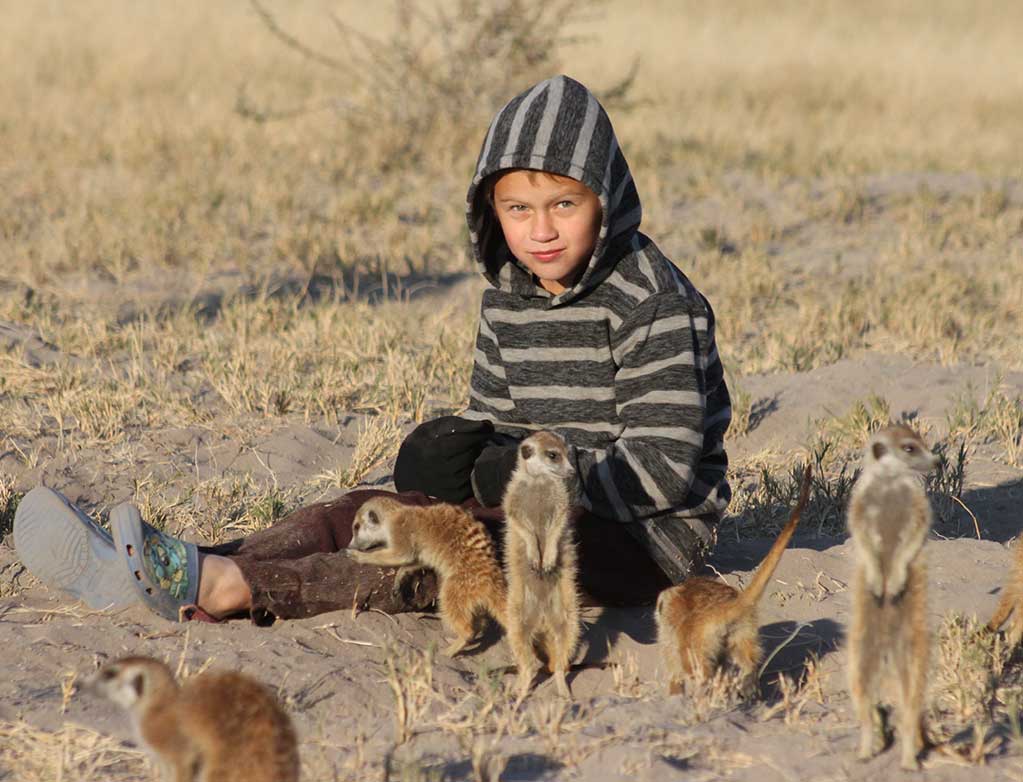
x: 526, y: 451
x: 879, y: 450
x: 138, y: 683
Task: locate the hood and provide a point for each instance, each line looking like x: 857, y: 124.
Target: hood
x: 556, y: 126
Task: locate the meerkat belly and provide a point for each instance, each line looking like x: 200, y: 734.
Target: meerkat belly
x: 542, y: 596
x: 890, y: 522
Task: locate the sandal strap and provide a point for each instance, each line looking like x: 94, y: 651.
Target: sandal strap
x: 165, y: 568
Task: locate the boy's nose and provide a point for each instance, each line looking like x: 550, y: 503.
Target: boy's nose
x: 543, y: 229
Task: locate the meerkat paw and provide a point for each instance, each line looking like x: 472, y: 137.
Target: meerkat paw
x: 525, y: 682
x: 911, y: 749
x: 871, y: 742
x: 875, y: 583
x: 561, y: 684
x: 868, y: 749
x: 872, y: 729
x: 362, y: 557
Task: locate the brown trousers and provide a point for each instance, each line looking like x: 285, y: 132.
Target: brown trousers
x: 299, y: 568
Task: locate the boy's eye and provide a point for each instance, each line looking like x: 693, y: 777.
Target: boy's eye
x: 566, y: 204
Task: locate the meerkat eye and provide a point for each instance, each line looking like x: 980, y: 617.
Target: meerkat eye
x: 107, y: 675
x: 553, y: 456
x: 371, y: 517
x: 909, y: 448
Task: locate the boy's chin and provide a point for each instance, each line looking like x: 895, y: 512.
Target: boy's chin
x: 548, y: 278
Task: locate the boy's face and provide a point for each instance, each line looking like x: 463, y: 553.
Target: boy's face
x: 550, y: 223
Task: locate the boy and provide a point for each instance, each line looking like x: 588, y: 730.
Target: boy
x: 586, y: 329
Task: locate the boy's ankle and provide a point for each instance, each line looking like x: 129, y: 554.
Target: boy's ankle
x: 222, y: 588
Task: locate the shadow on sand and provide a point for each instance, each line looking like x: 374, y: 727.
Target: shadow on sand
x: 345, y: 285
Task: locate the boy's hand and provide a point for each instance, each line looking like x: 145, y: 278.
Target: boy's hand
x: 438, y: 456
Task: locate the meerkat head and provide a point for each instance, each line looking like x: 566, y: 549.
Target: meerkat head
x: 545, y: 453
x: 132, y: 682
x: 370, y: 529
x: 899, y: 447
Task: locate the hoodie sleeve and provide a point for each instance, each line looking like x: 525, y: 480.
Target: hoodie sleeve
x: 664, y: 353
x: 489, y: 398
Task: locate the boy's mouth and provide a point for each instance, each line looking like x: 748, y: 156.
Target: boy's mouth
x: 547, y: 255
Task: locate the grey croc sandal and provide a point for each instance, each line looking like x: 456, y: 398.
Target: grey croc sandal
x: 163, y: 569
x: 66, y: 550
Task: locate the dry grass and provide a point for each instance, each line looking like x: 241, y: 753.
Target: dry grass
x: 998, y: 419
x: 73, y: 753
x: 975, y: 691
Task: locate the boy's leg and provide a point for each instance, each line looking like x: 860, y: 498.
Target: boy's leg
x: 299, y: 568
x: 318, y: 583
x: 614, y: 569
x: 322, y: 528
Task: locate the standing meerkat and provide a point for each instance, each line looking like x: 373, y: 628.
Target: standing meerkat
x: 540, y: 559
x: 889, y: 519
x: 215, y: 727
x: 445, y: 538
x: 1010, y: 607
x: 704, y: 624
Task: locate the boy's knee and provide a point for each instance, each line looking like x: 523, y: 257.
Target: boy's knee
x: 438, y: 456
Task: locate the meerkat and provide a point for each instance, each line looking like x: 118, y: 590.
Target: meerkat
x: 445, y: 538
x: 215, y: 727
x: 704, y: 625
x: 889, y: 519
x: 541, y: 560
x: 1010, y: 607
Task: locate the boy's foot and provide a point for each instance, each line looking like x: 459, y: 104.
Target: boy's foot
x: 66, y: 550
x: 163, y: 570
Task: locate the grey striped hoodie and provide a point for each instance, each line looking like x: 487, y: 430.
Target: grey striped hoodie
x: 623, y: 364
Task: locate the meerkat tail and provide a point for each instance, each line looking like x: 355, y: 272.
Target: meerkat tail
x: 750, y: 596
x: 1003, y: 612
